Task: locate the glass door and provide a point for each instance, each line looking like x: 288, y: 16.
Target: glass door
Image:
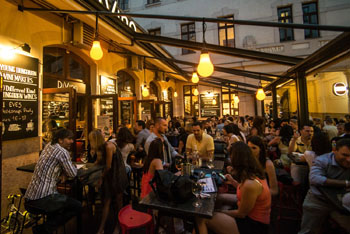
x: 146, y: 110
x: 127, y: 111
x: 59, y: 108
x: 105, y: 113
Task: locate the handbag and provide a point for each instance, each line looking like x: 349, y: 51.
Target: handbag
x: 170, y: 187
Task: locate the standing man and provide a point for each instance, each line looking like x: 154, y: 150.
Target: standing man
x: 330, y: 129
x: 142, y: 134
x: 42, y: 192
x: 160, y: 128
x: 201, y: 142
x: 329, y: 170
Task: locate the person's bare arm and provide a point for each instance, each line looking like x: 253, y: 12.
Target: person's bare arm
x: 275, y: 140
x: 271, y: 172
x: 291, y: 147
x: 181, y: 145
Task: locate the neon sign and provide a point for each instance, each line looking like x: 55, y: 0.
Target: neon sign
x: 113, y: 8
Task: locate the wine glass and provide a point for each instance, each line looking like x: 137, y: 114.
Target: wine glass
x: 83, y: 157
x: 196, y: 190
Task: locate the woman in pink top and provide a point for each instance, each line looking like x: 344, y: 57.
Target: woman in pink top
x: 152, y: 163
x: 253, y: 194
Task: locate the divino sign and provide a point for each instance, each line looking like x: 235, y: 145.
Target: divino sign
x: 111, y: 5
x: 339, y: 89
x: 19, y: 77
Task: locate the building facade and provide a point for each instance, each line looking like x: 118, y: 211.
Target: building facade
x: 283, y: 41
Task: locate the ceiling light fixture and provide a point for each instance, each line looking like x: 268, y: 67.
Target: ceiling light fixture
x: 260, y: 94
x: 96, y: 52
x: 195, y: 92
x: 205, y: 67
x: 145, y: 90
x: 195, y: 78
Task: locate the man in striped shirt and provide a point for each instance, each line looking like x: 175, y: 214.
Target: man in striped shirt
x: 42, y: 192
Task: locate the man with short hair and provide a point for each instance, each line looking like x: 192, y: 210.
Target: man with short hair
x: 331, y: 170
x: 42, y: 191
x: 294, y: 124
x: 300, y: 143
x: 160, y: 128
x: 142, y: 134
x: 201, y: 142
x: 330, y: 129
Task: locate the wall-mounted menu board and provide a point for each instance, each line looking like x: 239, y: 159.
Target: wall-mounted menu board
x: 210, y: 105
x: 19, y: 77
x: 108, y: 85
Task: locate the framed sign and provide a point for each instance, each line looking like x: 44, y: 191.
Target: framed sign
x: 19, y: 78
x: 108, y: 85
x: 210, y: 105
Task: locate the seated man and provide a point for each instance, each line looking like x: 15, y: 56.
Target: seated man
x: 42, y: 191
x: 201, y: 142
x: 331, y: 170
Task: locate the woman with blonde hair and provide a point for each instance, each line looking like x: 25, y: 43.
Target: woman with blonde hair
x: 114, y: 179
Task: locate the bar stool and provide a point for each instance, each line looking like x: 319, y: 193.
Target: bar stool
x: 130, y: 219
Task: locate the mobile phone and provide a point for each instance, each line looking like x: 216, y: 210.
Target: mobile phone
x: 222, y: 176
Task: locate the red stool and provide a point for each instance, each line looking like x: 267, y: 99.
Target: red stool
x: 130, y: 219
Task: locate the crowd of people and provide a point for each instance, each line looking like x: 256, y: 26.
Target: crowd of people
x: 257, y: 150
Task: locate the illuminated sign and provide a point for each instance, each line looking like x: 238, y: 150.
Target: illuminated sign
x: 339, y: 89
x: 112, y: 7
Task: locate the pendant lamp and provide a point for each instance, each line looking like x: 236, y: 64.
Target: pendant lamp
x: 195, y: 92
x: 205, y: 67
x: 195, y: 78
x: 236, y: 99
x: 96, y: 52
x: 260, y: 94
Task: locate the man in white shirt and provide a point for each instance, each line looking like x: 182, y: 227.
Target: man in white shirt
x: 330, y: 129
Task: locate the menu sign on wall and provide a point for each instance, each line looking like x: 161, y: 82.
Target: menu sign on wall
x: 20, y: 97
x: 108, y: 85
x: 210, y: 105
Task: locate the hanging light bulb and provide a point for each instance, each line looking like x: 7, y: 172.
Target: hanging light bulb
x: 205, y: 67
x: 236, y: 99
x: 96, y: 52
x: 175, y: 94
x: 195, y: 78
x: 214, y: 101
x: 195, y: 92
x: 260, y: 94
x: 145, y: 91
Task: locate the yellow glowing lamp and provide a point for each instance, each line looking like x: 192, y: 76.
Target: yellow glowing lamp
x: 195, y: 92
x: 195, y: 78
x: 236, y: 99
x: 175, y: 94
x: 145, y: 91
x: 96, y: 52
x: 214, y: 101
x: 205, y: 67
x: 260, y: 95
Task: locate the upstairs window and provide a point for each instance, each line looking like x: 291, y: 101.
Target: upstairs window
x: 123, y: 4
x: 226, y: 33
x: 152, y: 1
x: 285, y: 16
x: 310, y: 16
x: 154, y: 32
x: 188, y: 33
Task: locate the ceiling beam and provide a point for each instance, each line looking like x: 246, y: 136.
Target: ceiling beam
x: 230, y: 51
x: 244, y: 73
x: 227, y: 86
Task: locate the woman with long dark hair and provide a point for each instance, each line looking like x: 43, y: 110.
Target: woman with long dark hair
x: 152, y: 163
x: 253, y: 194
x: 258, y: 148
x: 258, y: 127
x: 125, y: 142
x: 114, y: 179
x: 282, y: 140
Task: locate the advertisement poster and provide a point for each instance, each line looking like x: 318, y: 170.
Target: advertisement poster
x: 19, y: 76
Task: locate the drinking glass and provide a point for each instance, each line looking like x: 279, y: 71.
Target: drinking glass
x: 196, y: 190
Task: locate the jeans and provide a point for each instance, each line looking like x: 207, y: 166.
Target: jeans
x: 316, y: 211
x: 59, y: 209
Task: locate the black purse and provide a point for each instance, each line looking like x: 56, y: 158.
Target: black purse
x: 170, y: 187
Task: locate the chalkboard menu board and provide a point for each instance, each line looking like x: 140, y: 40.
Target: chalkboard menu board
x: 210, y: 105
x: 20, y: 97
